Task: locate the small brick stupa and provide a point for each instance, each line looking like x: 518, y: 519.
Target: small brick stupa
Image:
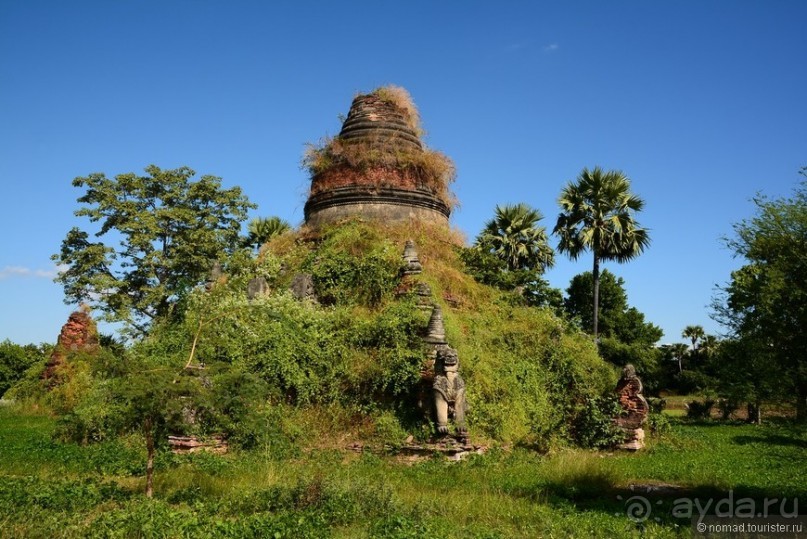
x: 79, y: 334
x: 378, y: 167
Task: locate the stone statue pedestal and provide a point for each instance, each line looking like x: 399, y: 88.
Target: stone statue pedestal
x: 634, y: 440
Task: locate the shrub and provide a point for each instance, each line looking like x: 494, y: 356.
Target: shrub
x: 352, y: 263
x: 29, y: 387
x: 594, y: 424
x: 727, y: 407
x: 15, y: 360
x: 659, y: 423
x: 694, y: 382
x: 656, y: 404
x: 700, y: 409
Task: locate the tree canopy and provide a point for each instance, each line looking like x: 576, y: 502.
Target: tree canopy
x: 262, y: 229
x: 512, y: 253
x: 765, y: 303
x: 514, y: 236
x: 626, y: 336
x: 15, y: 359
x: 160, y: 234
x: 598, y: 215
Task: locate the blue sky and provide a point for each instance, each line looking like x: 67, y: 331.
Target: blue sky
x: 701, y: 104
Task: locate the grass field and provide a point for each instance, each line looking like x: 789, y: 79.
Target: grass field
x: 50, y: 489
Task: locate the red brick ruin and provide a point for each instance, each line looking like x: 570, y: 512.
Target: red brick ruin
x: 78, y: 334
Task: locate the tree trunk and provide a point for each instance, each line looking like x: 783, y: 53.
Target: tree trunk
x: 148, y: 428
x: 596, y: 275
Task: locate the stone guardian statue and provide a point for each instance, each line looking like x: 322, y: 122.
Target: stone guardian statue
x: 449, y: 392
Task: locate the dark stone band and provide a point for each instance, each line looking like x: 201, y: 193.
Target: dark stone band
x: 355, y: 195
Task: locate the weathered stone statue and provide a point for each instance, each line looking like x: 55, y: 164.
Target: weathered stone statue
x: 216, y: 273
x: 257, y: 287
x: 410, y: 258
x: 634, y: 409
x: 449, y: 392
x: 302, y: 287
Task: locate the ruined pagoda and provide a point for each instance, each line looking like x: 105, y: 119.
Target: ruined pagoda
x: 378, y: 167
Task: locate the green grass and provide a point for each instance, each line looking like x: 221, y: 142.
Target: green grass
x: 723, y: 455
x: 49, y: 489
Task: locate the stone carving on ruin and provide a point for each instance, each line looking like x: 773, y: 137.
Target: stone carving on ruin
x: 634, y: 409
x: 410, y: 257
x: 216, y: 273
x: 302, y: 287
x: 436, y: 331
x: 257, y: 287
x: 449, y: 393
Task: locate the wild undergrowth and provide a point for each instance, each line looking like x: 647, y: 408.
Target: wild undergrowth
x: 285, y: 373
x: 71, y: 491
x: 529, y: 374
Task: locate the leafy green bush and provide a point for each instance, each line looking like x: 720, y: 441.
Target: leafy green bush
x: 694, y: 382
x: 727, y: 407
x: 25, y: 493
x: 527, y: 285
x: 29, y: 387
x: 594, y: 425
x: 656, y: 404
x: 700, y: 409
x: 659, y: 423
x: 354, y: 264
x: 15, y: 360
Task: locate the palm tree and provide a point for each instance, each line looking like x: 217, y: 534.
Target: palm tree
x: 514, y: 236
x: 597, y: 214
x: 708, y: 345
x: 260, y: 230
x: 695, y: 334
x: 679, y: 351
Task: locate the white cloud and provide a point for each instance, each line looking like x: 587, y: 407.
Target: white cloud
x: 552, y: 47
x: 10, y: 272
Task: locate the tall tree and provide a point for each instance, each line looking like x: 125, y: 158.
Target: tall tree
x: 597, y: 215
x: 625, y: 336
x: 765, y: 303
x: 679, y: 352
x: 514, y: 236
x: 708, y: 345
x: 163, y: 232
x: 613, y: 301
x: 512, y: 253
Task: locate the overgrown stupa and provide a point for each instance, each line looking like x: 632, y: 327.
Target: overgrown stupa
x: 378, y: 167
